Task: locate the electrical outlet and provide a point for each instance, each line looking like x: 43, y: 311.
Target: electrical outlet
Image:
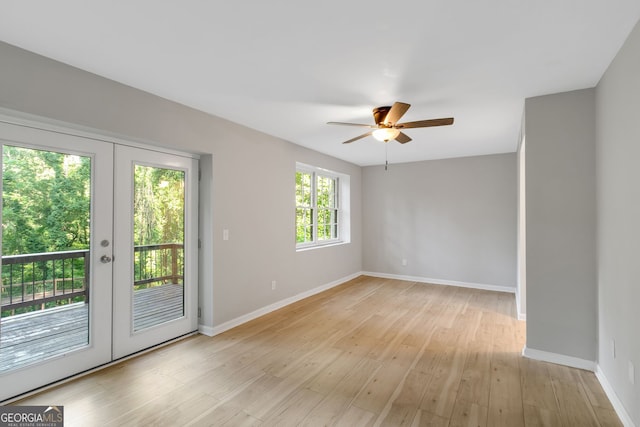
x: 273, y: 285
x: 632, y: 373
x: 225, y: 234
x: 404, y: 261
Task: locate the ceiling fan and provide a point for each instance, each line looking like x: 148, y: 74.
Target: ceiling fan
x: 387, y: 126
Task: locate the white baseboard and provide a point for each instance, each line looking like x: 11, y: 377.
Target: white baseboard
x: 559, y: 359
x: 206, y: 330
x: 481, y: 286
x: 522, y: 316
x: 215, y: 330
x: 613, y: 398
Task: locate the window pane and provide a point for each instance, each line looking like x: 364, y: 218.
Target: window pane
x: 303, y: 189
x: 321, y: 235
x: 304, y: 224
x: 158, y: 239
x: 309, y: 234
x: 326, y: 191
x: 326, y: 224
x: 321, y: 217
x: 322, y: 194
x: 304, y: 213
x: 46, y: 217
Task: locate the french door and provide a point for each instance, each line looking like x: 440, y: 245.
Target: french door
x: 155, y: 233
x: 89, y: 274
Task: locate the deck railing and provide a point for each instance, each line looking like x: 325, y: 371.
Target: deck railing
x: 38, y: 281
x: 44, y: 279
x: 157, y: 265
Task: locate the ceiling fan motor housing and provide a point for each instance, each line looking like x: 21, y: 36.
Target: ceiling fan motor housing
x: 380, y: 113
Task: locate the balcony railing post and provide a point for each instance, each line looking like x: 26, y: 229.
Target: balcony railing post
x: 174, y: 263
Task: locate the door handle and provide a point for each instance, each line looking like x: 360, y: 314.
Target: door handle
x: 105, y: 259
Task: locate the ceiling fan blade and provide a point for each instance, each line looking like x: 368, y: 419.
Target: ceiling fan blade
x: 425, y: 123
x: 403, y: 138
x: 352, y: 124
x: 397, y: 110
x: 364, y: 135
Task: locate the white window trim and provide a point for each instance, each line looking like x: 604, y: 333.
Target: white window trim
x: 342, y: 201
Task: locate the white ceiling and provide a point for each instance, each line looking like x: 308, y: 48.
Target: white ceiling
x: 286, y: 67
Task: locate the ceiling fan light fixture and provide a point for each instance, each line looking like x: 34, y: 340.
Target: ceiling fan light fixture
x: 385, y: 134
x: 388, y: 124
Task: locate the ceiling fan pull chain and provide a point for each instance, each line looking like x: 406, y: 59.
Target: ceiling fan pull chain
x: 386, y: 156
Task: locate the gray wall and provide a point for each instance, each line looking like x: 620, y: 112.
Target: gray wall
x: 618, y: 151
x: 452, y: 220
x: 248, y: 181
x: 560, y: 224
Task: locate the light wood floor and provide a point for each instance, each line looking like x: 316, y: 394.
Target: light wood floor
x: 369, y: 352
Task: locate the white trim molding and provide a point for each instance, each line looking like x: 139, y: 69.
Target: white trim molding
x: 481, y: 286
x: 521, y: 315
x: 613, y: 398
x: 212, y: 331
x: 206, y: 330
x: 559, y: 359
x: 58, y: 126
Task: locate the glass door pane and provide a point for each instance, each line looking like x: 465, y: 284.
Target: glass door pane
x: 45, y: 255
x: 158, y: 239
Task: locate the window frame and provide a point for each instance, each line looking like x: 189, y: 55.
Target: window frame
x: 338, y: 180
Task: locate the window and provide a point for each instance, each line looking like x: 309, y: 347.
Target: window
x: 319, y: 206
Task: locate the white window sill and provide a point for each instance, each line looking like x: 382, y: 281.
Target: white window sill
x: 320, y: 245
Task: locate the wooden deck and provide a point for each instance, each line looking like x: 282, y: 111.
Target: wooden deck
x: 157, y: 305
x: 32, y: 337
